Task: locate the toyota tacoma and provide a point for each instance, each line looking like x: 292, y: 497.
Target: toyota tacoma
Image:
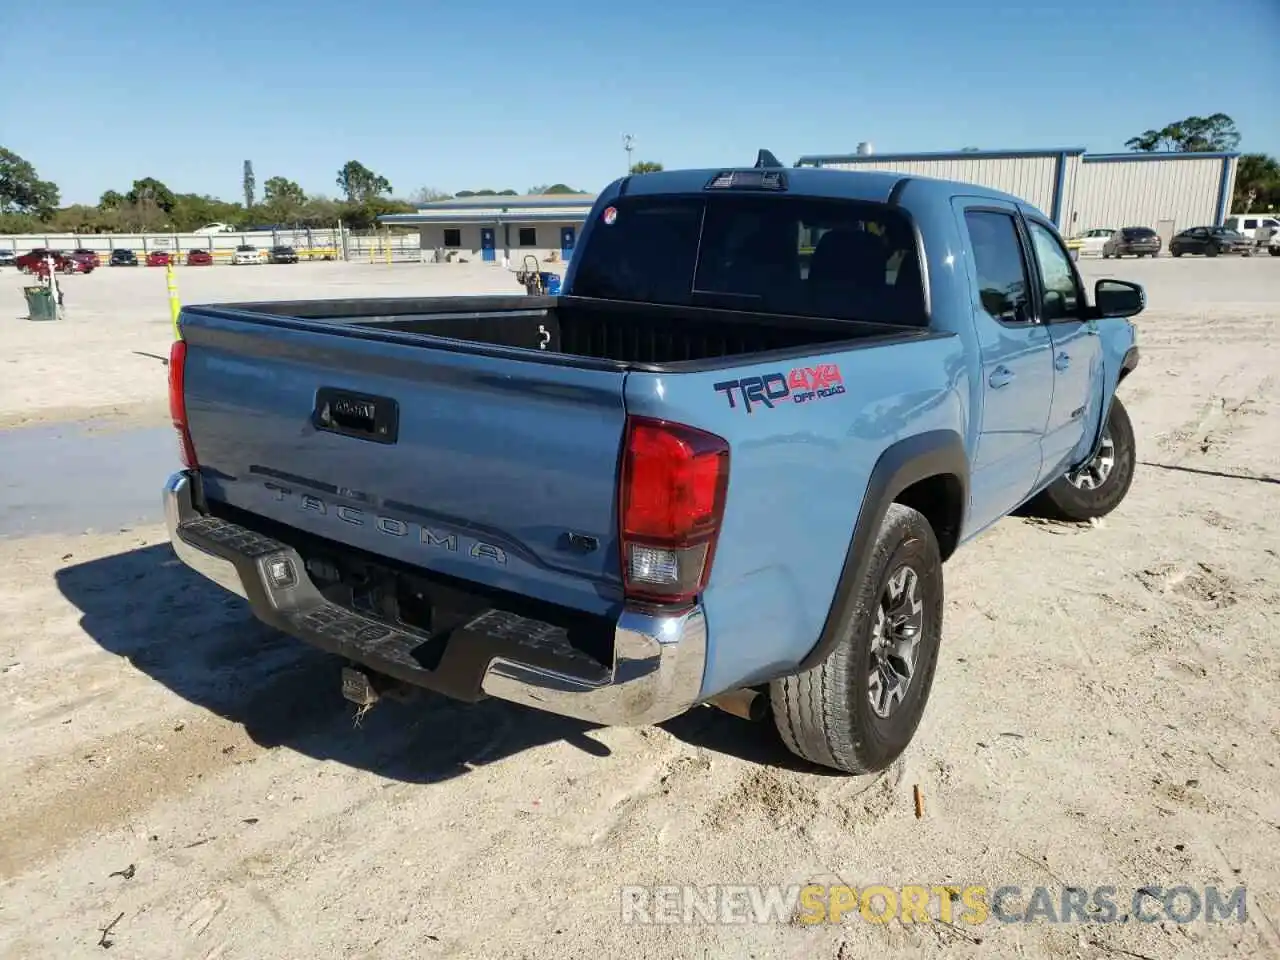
x: 725, y: 465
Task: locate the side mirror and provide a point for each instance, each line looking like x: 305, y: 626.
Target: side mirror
x: 1119, y: 298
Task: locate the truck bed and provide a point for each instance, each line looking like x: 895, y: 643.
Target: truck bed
x: 631, y: 335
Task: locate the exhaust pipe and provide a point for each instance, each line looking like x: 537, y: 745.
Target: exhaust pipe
x: 747, y: 703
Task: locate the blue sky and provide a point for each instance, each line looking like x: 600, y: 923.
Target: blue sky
x: 499, y: 94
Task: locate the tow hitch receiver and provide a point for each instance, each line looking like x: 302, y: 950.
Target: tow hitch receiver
x: 364, y: 688
x: 359, y: 687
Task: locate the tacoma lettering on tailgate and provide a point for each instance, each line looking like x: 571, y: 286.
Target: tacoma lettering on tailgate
x: 390, y: 526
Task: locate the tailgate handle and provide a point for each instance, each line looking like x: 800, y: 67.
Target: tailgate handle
x: 357, y: 415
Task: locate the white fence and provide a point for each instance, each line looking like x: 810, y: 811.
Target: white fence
x: 311, y: 244
x: 384, y: 248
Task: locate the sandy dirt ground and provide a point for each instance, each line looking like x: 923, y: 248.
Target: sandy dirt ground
x: 1106, y: 713
x: 102, y: 362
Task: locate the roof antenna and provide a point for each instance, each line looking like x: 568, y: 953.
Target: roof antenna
x: 765, y: 159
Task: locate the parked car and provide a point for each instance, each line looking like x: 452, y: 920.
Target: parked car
x: 123, y: 258
x: 27, y: 262
x: 772, y: 453
x: 1210, y: 241
x: 87, y: 259
x: 8, y: 258
x: 34, y: 261
x: 1138, y: 241
x: 282, y: 254
x: 159, y: 258
x: 199, y: 258
x: 1091, y: 242
x: 246, y: 253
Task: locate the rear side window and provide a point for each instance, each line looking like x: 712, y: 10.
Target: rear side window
x: 1138, y: 233
x: 997, y: 257
x: 772, y: 254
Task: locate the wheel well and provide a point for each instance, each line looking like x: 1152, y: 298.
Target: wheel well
x: 941, y: 499
x: 1124, y: 372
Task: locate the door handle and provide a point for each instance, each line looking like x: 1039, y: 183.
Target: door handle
x: 1062, y: 361
x: 1000, y: 377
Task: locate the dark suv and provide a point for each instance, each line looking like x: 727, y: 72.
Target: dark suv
x: 1139, y: 241
x: 282, y: 254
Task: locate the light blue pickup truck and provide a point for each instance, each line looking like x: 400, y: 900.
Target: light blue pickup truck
x: 724, y: 466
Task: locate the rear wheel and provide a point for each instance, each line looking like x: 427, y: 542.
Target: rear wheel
x: 1275, y: 251
x: 1097, y: 487
x: 858, y: 709
x: 1211, y: 251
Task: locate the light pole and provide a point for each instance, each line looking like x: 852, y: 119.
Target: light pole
x: 628, y: 144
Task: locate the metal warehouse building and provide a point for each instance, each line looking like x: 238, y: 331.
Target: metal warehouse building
x: 1079, y: 191
x: 492, y: 228
x: 1168, y: 192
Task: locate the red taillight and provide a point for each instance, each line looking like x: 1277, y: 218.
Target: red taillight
x: 670, y: 506
x: 178, y: 402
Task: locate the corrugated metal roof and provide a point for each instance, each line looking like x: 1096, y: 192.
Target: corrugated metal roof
x: 1140, y: 155
x: 486, y: 216
x: 525, y: 200
x: 943, y: 155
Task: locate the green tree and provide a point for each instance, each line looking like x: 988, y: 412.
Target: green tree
x: 364, y: 216
x: 249, y: 184
x: 283, y: 199
x: 1216, y: 132
x: 110, y: 200
x: 21, y: 189
x: 192, y: 211
x: 429, y: 195
x: 646, y: 166
x: 320, y: 211
x: 1257, y: 183
x: 149, y: 190
x: 77, y: 218
x: 359, y: 183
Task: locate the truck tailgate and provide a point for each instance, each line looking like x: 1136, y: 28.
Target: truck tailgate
x: 495, y: 470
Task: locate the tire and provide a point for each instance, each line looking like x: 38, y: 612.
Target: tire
x: 1175, y: 251
x: 1071, y: 498
x: 825, y: 715
x: 1274, y: 251
x: 1211, y: 251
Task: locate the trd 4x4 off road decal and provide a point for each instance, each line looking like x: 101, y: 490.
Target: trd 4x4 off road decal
x: 798, y: 385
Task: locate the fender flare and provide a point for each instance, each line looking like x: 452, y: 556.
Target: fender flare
x: 908, y: 461
x: 1130, y: 362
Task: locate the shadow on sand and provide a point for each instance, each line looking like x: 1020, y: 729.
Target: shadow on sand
x: 204, y: 645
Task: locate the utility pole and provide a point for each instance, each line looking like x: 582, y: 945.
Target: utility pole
x: 628, y: 144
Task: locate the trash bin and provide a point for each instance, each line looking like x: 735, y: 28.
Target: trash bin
x: 550, y: 284
x: 40, y: 305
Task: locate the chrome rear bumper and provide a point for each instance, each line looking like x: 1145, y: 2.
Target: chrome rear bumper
x: 658, y: 658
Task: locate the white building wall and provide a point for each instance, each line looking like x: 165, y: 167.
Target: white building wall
x: 507, y: 239
x: 1149, y: 192
x: 1030, y: 178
